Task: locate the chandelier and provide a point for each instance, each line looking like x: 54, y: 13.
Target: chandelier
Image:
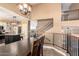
x: 25, y: 8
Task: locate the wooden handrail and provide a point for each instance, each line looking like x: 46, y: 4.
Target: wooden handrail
x: 37, y: 47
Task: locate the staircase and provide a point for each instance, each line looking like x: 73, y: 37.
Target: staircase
x: 43, y: 26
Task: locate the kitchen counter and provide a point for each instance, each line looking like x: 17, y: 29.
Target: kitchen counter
x: 9, y: 38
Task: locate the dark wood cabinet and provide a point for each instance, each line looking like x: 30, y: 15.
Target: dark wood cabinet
x: 11, y: 38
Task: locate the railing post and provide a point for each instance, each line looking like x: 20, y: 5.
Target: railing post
x: 67, y: 43
x: 53, y: 39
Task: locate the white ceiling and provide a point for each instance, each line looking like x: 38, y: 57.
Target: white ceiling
x: 7, y: 14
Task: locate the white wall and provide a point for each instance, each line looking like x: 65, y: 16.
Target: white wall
x: 3, y: 24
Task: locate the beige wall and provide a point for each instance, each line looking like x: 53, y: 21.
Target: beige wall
x: 52, y: 10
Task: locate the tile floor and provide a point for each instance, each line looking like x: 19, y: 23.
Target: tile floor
x: 51, y: 52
